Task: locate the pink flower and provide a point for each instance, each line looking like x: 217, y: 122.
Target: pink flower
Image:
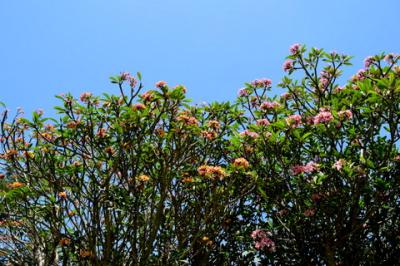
x: 360, y: 75
x: 390, y: 58
x: 243, y: 92
x: 287, y: 65
x: 269, y: 105
x: 262, y: 122
x: 161, y: 84
x: 85, y: 96
x: 259, y: 83
x: 323, y: 116
x: 294, y: 49
x: 308, y: 168
x: 346, y: 114
x: 311, y: 167
x: 139, y: 106
x: 293, y: 120
x: 368, y: 61
x: 286, y: 96
x: 338, y: 165
x: 132, y: 82
x: 309, y: 212
x: 262, y: 240
x: 125, y: 75
x: 250, y: 134
x: 147, y: 96
x: 339, y: 89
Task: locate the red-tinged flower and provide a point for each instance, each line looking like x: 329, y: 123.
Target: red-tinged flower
x: 260, y: 83
x: 188, y: 120
x: 338, y: 165
x: 125, y: 76
x: 143, y: 178
x: 202, y: 170
x: 316, y: 197
x: 286, y: 96
x: 345, y: 114
x: 161, y: 84
x: 308, y: 168
x: 311, y: 167
x: 102, y: 133
x: 262, y: 240
x: 2, y: 176
x: 360, y: 75
x: 309, y: 212
x: 63, y: 195
x: 262, y: 122
x: 210, y: 135
x: 15, y: 185
x: 85, y: 97
x: 293, y: 120
x: 390, y: 58
x: 147, y: 96
x: 397, y: 158
x: 248, y: 133
x: 269, y: 105
x: 323, y: 116
x: 295, y: 48
x: 214, y: 124
x: 287, y: 65
x: 65, y: 241
x: 241, y: 163
x: 339, y: 89
x: 139, y: 106
x: 132, y: 82
x: 243, y: 92
x: 368, y: 61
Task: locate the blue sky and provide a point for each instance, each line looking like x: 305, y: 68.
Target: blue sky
x: 49, y: 47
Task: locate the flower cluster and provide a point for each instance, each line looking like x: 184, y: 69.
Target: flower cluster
x: 287, y: 65
x: 188, y: 120
x: 250, y: 134
x: 241, y: 163
x: 293, y: 120
x: 262, y: 240
x: 308, y: 168
x: 261, y: 83
x: 212, y: 172
x: 324, y: 116
x: 269, y: 105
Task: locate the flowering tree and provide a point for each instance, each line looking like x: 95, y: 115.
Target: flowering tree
x: 144, y: 178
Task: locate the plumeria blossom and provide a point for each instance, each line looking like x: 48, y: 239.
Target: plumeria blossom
x: 345, y: 114
x: 269, y: 105
x: 260, y: 83
x: 262, y: 240
x: 241, y: 163
x: 248, y: 133
x: 338, y: 165
x: 85, y: 96
x: 243, y: 92
x: 308, y: 168
x: 262, y: 122
x: 161, y: 84
x: 287, y: 65
x: 294, y: 120
x: 368, y: 61
x: 324, y: 116
x: 294, y: 49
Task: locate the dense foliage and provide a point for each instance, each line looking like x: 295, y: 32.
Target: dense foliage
x: 310, y: 177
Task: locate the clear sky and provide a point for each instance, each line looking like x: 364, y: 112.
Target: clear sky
x: 49, y: 47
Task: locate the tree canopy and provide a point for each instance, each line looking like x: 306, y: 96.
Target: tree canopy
x: 144, y: 177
